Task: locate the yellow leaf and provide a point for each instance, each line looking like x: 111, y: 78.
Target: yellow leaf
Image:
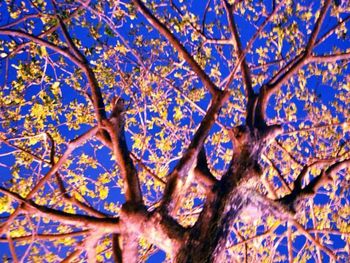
x: 288, y: 147
x: 178, y: 113
x: 43, y: 51
x: 55, y: 88
x: 108, y: 254
x: 103, y: 192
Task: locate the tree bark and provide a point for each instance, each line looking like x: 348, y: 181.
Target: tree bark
x: 206, y: 241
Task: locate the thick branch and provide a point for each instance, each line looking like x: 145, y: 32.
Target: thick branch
x: 107, y: 225
x: 133, y: 194
x: 115, y: 128
x: 311, y: 188
x: 160, y: 230
x: 117, y: 250
x: 157, y: 228
x: 246, y: 76
x: 179, y: 178
x: 202, y: 173
x: 178, y: 46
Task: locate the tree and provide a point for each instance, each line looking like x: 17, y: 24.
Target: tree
x: 213, y: 131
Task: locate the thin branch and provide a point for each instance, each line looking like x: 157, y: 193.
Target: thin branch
x: 108, y: 20
x: 280, y: 146
x: 70, y: 148
x: 12, y: 248
x: 303, y: 231
x: 331, y: 31
x: 312, y: 40
x: 133, y: 156
x: 218, y: 41
x: 330, y: 58
x: 327, y: 231
x: 250, y: 43
x: 83, y: 64
x: 71, y: 46
x: 87, y: 208
x: 147, y: 169
x: 76, y: 253
x: 178, y: 46
x: 270, y: 88
x: 47, y: 237
x: 242, y: 239
x: 205, y: 15
x: 247, y: 240
x: 107, y: 225
x: 35, y: 157
x: 20, y: 20
x: 279, y: 174
x: 314, y: 223
x: 316, y: 126
x: 52, y: 148
x: 72, y: 145
x: 246, y: 75
x: 290, y: 243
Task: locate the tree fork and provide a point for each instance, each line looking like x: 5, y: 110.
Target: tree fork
x: 207, y: 238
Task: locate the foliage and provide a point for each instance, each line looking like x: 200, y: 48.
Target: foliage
x: 125, y: 126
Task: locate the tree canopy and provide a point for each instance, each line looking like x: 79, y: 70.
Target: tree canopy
x: 179, y: 131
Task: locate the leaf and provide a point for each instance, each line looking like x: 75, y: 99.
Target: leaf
x: 43, y: 51
x: 55, y: 88
x: 108, y: 254
x: 177, y: 114
x: 103, y: 192
x: 121, y: 48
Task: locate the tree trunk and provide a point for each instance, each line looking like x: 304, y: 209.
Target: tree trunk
x: 207, y: 239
